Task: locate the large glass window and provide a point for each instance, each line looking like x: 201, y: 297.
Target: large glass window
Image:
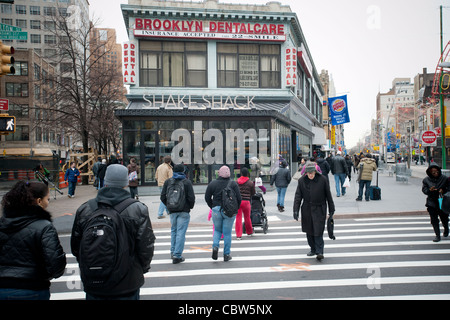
x: 248, y: 66
x: 172, y: 64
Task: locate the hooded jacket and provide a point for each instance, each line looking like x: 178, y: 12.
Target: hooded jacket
x: 140, y: 235
x: 30, y: 252
x: 246, y: 188
x: 440, y: 182
x: 213, y: 193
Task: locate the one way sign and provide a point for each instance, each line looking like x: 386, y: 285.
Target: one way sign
x: 7, y: 124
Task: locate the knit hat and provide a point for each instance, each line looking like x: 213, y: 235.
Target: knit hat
x: 178, y: 168
x: 116, y: 176
x: 310, y: 167
x: 224, y: 172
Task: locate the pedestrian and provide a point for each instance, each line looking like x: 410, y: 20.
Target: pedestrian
x: 138, y: 234
x: 255, y: 173
x: 349, y: 163
x: 311, y: 196
x: 281, y: 179
x: 163, y: 172
x: 71, y: 176
x: 340, y: 171
x: 95, y: 168
x: 247, y: 190
x: 179, y: 218
x: 435, y: 185
x: 101, y: 174
x: 133, y: 178
x: 324, y: 167
x: 222, y: 223
x: 30, y: 251
x: 367, y: 166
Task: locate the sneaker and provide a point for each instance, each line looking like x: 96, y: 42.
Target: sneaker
x: 215, y: 253
x: 177, y: 260
x: 238, y: 238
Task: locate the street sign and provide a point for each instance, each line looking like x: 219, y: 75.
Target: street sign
x: 4, y: 104
x: 7, y: 124
x: 429, y: 138
x: 8, y: 32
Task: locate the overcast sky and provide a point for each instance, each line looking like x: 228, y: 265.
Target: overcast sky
x: 364, y: 44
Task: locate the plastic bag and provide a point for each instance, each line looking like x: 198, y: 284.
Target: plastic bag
x: 346, y: 183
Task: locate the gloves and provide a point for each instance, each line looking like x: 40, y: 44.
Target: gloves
x: 296, y: 215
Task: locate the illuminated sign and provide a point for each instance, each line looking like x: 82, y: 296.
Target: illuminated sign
x: 220, y: 30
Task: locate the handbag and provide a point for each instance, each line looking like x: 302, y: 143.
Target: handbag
x: 258, y: 182
x: 346, y: 183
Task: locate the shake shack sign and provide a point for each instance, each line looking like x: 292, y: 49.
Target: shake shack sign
x: 220, y: 30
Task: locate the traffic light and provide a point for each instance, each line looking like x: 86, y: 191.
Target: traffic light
x: 6, y: 60
x: 7, y: 124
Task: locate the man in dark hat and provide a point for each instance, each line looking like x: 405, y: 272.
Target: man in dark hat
x: 312, y: 194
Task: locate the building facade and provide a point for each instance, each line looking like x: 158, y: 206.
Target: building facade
x: 213, y: 84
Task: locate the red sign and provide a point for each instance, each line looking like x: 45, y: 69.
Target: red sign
x: 4, y: 104
x: 129, y: 63
x: 429, y: 137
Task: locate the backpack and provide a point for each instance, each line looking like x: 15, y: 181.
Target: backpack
x: 175, y: 195
x: 104, y: 256
x: 230, y: 204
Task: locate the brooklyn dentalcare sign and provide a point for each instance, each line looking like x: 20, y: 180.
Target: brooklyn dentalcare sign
x: 221, y: 30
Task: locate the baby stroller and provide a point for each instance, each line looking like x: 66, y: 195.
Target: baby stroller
x: 258, y: 213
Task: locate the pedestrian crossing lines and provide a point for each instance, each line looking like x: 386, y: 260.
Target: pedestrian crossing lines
x: 370, y: 258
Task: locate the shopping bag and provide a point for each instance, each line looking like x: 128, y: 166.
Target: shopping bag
x: 258, y: 182
x: 346, y: 183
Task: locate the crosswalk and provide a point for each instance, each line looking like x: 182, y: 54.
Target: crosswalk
x: 371, y: 258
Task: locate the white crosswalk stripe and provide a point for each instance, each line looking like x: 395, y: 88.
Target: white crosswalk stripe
x: 372, y: 258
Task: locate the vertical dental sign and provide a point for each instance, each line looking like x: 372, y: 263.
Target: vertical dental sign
x: 129, y: 62
x: 291, y: 67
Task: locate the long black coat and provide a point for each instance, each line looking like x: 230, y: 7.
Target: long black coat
x: 313, y: 196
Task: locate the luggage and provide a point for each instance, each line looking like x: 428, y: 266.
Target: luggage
x: 375, y: 191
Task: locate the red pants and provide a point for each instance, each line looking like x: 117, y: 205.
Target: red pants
x: 245, y: 208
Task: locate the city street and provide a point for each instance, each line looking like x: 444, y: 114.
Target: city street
x: 383, y: 250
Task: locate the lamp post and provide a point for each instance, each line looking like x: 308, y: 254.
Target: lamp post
x: 444, y: 64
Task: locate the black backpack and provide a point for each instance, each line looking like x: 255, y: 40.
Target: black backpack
x: 175, y: 195
x: 105, y: 255
x: 230, y: 204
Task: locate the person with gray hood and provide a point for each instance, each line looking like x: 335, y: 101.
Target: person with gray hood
x: 435, y: 185
x: 139, y: 230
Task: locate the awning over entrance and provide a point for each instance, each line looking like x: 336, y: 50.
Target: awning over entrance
x: 319, y: 136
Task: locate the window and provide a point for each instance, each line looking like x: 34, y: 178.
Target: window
x: 35, y: 38
x: 35, y: 10
x: 35, y: 24
x: 49, y: 11
x: 21, y: 68
x: 22, y: 134
x: 20, y: 9
x: 50, y: 39
x: 16, y: 89
x: 21, y: 23
x: 248, y: 66
x: 173, y: 64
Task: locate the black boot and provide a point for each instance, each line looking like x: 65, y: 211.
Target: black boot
x: 437, y: 232
x: 445, y: 230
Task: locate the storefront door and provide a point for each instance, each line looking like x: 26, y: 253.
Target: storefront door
x: 149, y: 156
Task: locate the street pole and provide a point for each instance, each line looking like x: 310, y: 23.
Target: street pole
x: 441, y: 98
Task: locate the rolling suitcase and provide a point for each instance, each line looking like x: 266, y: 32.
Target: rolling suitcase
x: 375, y: 191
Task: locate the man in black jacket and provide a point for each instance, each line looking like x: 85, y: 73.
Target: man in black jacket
x: 340, y: 171
x: 140, y: 235
x: 179, y: 219
x: 435, y: 185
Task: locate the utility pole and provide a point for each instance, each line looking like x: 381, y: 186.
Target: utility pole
x: 441, y: 97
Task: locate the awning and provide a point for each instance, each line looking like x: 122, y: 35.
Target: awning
x: 319, y: 136
x: 26, y: 151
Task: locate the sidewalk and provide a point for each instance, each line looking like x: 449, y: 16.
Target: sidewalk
x: 397, y: 198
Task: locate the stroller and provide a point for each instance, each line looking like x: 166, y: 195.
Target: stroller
x: 258, y: 213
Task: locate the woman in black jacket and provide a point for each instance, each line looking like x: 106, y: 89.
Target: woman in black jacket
x: 30, y: 251
x: 435, y: 185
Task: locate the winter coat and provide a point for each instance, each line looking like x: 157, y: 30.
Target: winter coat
x: 188, y: 191
x: 30, y: 251
x: 312, y: 197
x: 163, y: 172
x: 324, y: 166
x: 339, y: 165
x: 282, y: 178
x: 133, y: 167
x: 213, y: 193
x: 366, y: 168
x: 441, y: 182
x: 71, y: 175
x: 140, y: 233
x: 246, y: 188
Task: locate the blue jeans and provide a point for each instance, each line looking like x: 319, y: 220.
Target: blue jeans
x: 180, y: 222
x: 281, y: 194
x: 363, y: 183
x: 339, y: 179
x: 162, y: 206
x: 24, y: 294
x: 72, y: 186
x: 222, y: 225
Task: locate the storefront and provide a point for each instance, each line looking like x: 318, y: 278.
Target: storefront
x: 213, y: 84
